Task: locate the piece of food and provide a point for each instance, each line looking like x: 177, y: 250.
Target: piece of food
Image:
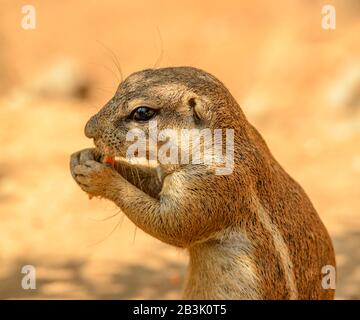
x: 109, y: 160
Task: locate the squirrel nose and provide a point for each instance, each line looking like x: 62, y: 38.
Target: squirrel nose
x: 91, y: 128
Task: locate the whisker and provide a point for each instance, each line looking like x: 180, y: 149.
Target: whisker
x: 122, y: 169
x: 132, y: 173
x: 108, y: 69
x: 161, y: 54
x: 114, y: 59
x: 122, y: 218
x: 107, y: 218
x: 111, y: 232
x: 107, y: 90
x: 139, y: 180
x: 134, y: 235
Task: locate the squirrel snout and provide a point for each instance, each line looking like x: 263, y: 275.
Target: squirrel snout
x: 91, y: 128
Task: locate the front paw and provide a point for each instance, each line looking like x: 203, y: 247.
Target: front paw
x: 95, y: 178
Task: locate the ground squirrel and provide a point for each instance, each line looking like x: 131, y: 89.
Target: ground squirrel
x: 251, y: 234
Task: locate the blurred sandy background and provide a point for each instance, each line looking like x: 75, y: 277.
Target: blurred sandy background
x: 297, y: 83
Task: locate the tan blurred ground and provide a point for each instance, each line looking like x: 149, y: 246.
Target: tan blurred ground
x: 297, y: 83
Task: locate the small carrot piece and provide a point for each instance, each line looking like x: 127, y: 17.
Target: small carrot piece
x: 109, y: 160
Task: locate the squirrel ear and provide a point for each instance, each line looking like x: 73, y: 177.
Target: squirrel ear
x: 197, y: 107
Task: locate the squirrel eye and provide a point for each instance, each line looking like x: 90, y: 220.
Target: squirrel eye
x: 142, y: 114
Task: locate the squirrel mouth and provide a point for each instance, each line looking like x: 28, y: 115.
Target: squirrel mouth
x: 107, y: 156
x: 120, y: 164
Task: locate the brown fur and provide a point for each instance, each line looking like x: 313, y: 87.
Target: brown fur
x: 253, y: 234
